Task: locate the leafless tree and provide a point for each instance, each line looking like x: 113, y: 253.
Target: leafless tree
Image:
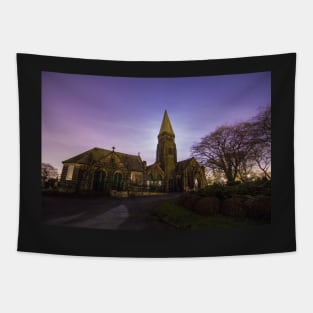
x: 236, y: 150
x: 226, y: 149
x: 48, y: 173
x: 262, y: 139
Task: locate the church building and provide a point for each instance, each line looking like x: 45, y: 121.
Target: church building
x: 104, y: 171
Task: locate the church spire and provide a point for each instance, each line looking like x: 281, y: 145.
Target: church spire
x: 166, y: 126
x: 166, y: 154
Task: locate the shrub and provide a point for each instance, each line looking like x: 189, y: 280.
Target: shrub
x: 207, y: 206
x: 253, y: 188
x: 234, y: 206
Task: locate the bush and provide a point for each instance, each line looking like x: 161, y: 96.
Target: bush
x: 207, y: 206
x: 188, y: 200
x: 234, y: 206
x: 253, y: 188
x: 238, y: 201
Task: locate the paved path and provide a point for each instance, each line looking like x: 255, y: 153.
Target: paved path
x: 111, y: 219
x: 105, y: 213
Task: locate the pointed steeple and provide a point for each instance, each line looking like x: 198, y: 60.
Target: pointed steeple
x: 166, y: 126
x: 166, y: 154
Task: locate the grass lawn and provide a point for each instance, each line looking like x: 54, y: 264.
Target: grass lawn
x: 176, y: 215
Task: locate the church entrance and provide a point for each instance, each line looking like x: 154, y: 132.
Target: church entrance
x: 99, y: 180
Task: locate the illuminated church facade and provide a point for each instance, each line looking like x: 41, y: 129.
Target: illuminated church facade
x: 106, y: 171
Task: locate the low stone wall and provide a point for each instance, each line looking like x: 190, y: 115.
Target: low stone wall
x: 146, y: 193
x: 118, y: 194
x: 256, y: 207
x: 125, y: 194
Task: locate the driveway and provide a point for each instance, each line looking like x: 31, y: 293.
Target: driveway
x: 103, y: 212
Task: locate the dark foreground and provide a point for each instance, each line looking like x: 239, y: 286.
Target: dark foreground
x: 104, y: 212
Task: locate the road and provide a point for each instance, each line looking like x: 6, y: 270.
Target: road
x: 104, y: 213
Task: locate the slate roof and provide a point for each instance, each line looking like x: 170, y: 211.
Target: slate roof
x: 155, y: 166
x: 181, y: 165
x: 133, y: 161
x: 154, y: 170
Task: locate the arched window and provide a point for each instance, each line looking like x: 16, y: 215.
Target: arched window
x: 196, y: 183
x: 117, y: 181
x: 70, y: 171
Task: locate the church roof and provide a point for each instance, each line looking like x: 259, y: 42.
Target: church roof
x: 166, y: 126
x: 181, y: 165
x: 155, y: 165
x: 134, y: 162
x: 155, y: 171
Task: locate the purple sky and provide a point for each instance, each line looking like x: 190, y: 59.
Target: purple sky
x: 80, y: 112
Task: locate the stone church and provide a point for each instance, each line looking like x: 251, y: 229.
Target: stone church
x: 106, y: 171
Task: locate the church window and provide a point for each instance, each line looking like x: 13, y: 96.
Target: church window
x: 196, y: 183
x: 117, y: 181
x: 70, y: 171
x: 170, y: 151
x: 136, y: 178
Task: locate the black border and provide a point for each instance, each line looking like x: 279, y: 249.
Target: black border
x: 279, y: 236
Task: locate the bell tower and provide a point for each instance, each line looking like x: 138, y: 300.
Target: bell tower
x: 166, y: 154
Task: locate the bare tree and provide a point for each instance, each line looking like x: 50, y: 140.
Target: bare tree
x: 226, y: 149
x: 261, y: 155
x: 261, y: 136
x: 48, y: 173
x: 238, y: 149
